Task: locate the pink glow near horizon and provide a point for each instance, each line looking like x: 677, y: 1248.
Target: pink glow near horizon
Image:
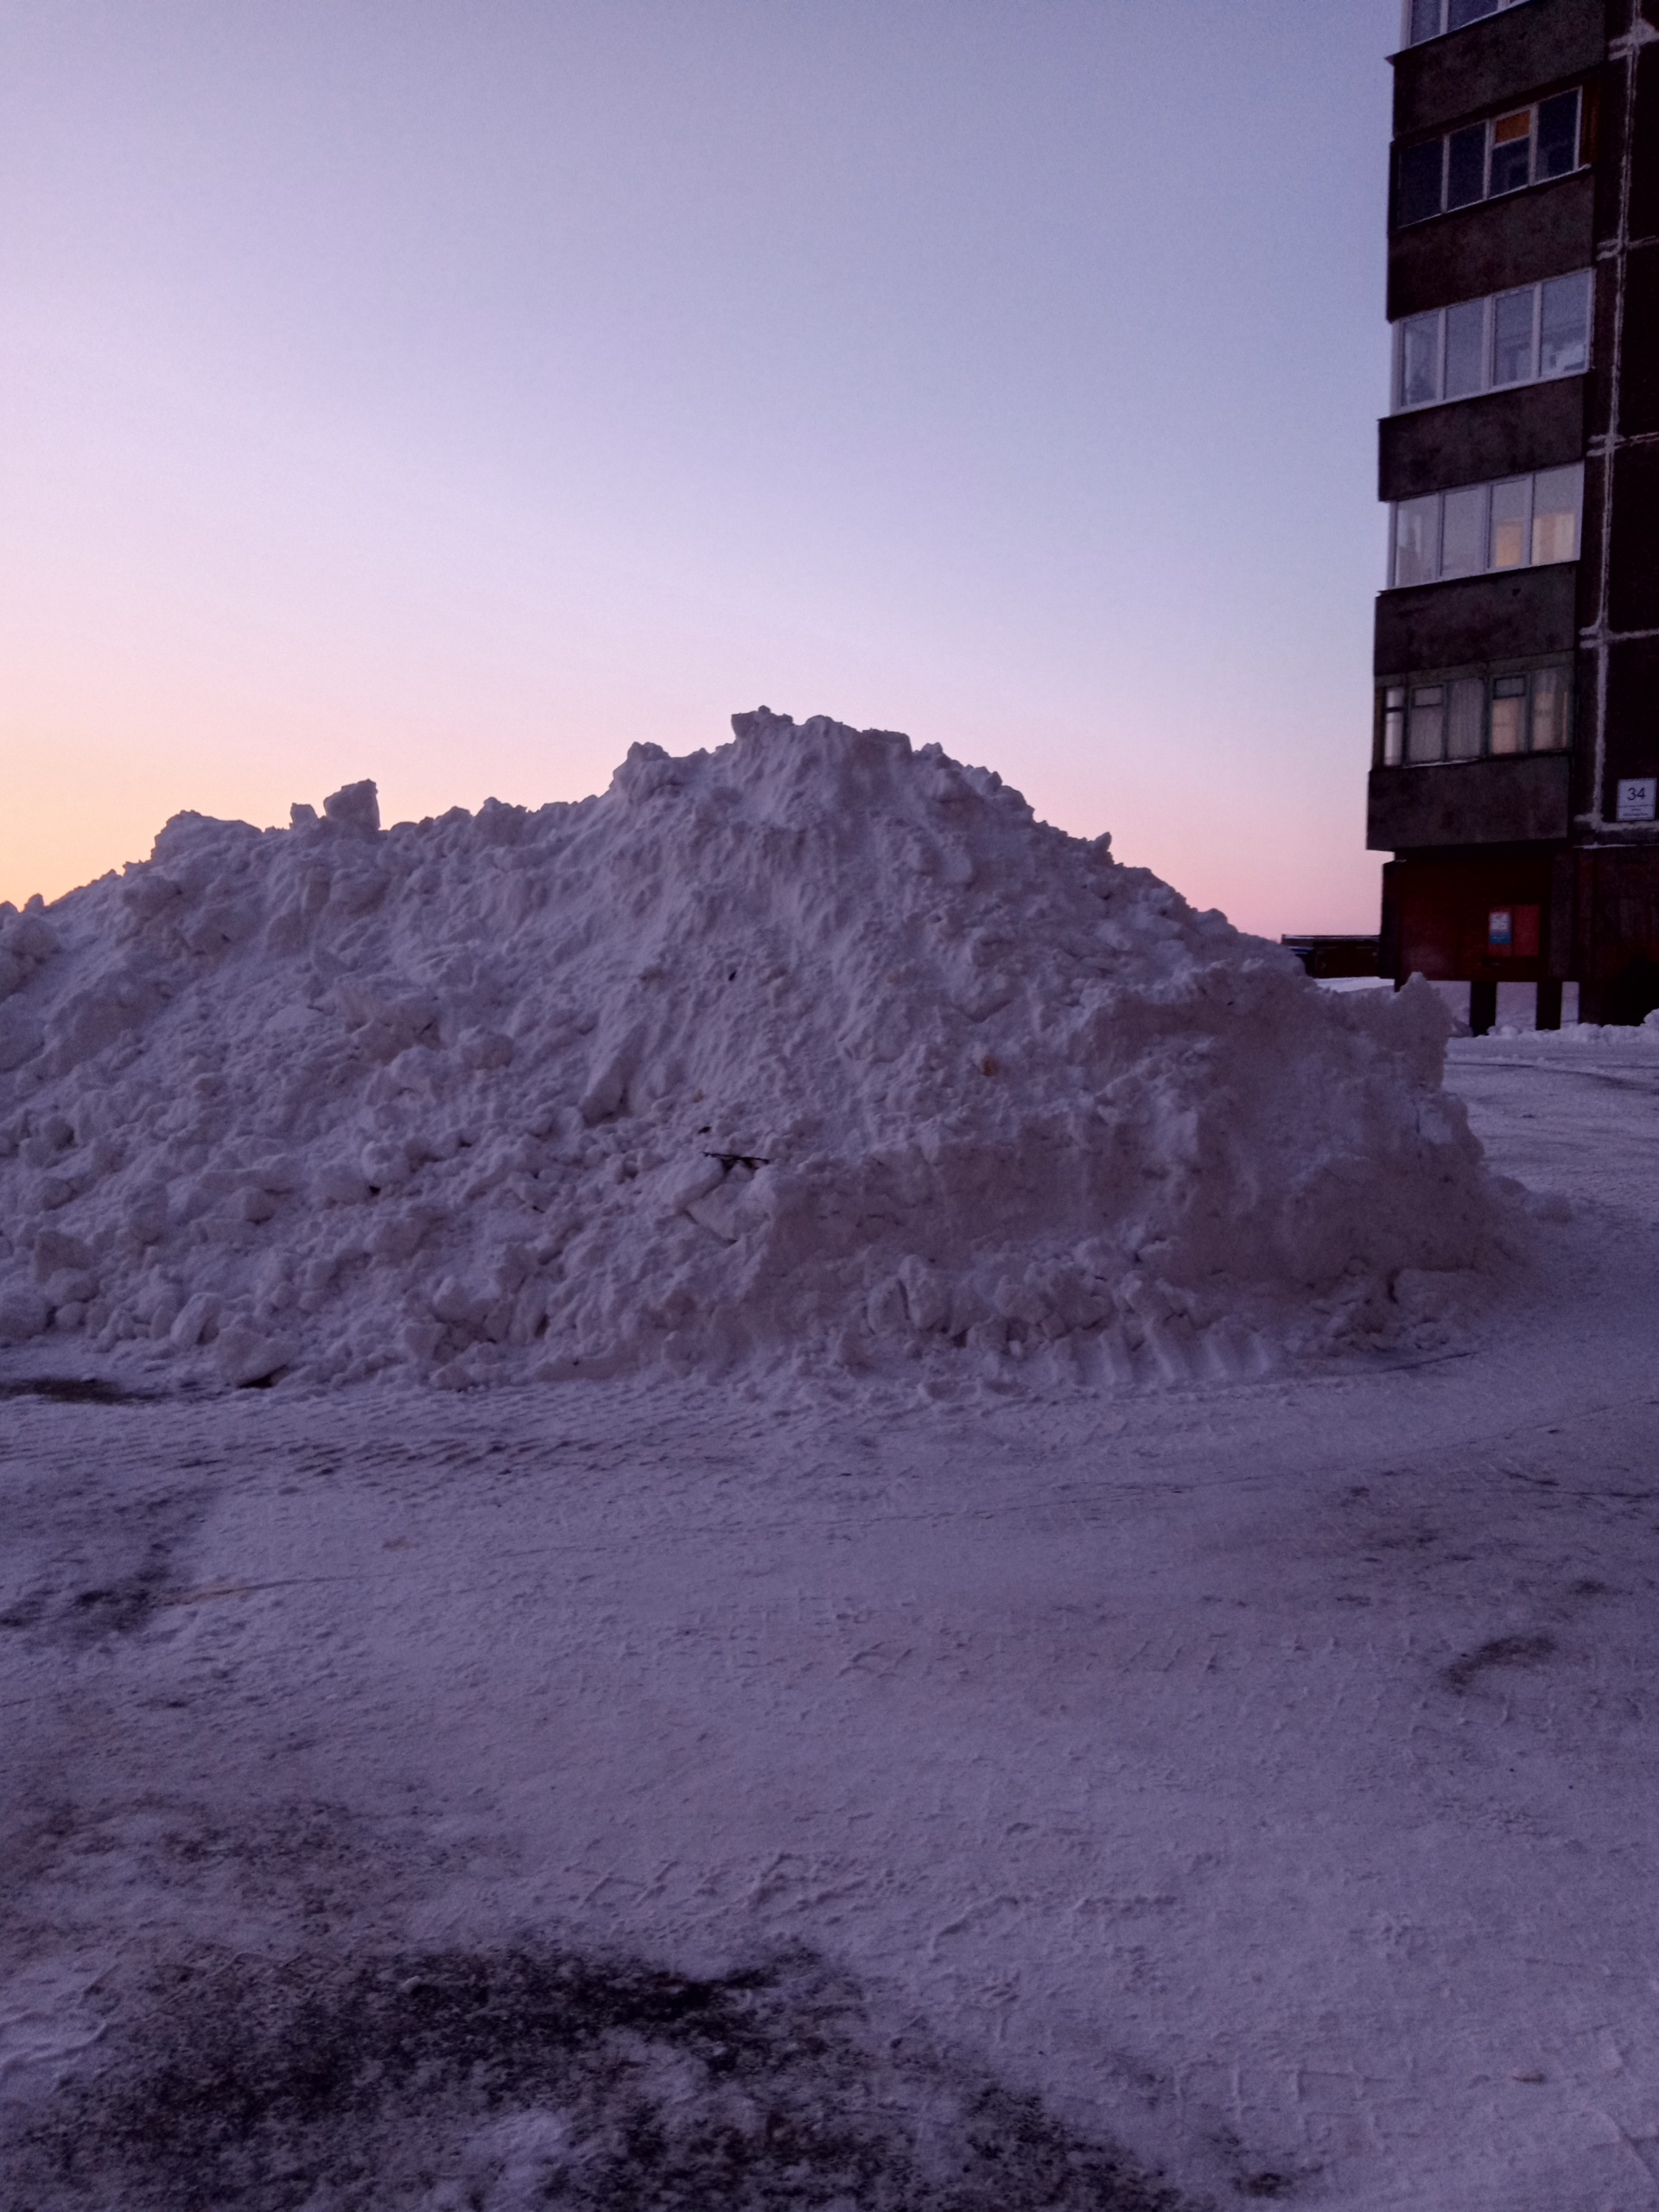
x: 457, y: 400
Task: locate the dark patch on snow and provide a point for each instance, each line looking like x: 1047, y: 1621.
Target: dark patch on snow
x: 1502, y: 1651
x: 498, y: 2081
x: 78, y: 1566
x: 85, y: 1615
x: 310, y: 1861
x: 76, y: 1391
x: 119, y: 1611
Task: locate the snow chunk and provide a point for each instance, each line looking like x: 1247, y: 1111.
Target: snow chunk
x: 356, y: 808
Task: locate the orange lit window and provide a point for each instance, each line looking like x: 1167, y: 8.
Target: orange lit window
x: 1497, y: 715
x: 1479, y: 160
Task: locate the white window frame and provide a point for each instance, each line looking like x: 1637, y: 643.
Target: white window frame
x: 1407, y: 40
x: 1489, y: 316
x: 1491, y: 567
x: 1529, y: 108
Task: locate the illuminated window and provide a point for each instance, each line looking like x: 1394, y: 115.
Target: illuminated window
x: 1520, y: 522
x: 1474, y: 716
x: 1557, y: 495
x: 1483, y: 160
x: 1510, y: 714
x: 1511, y: 504
x: 1551, y: 696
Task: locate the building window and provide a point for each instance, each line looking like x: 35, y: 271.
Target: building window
x: 1529, y: 145
x: 1427, y: 725
x: 1551, y: 701
x: 1427, y: 19
x: 1509, y: 726
x: 1511, y: 338
x: 1478, y: 716
x: 1524, y: 522
x: 1391, y: 749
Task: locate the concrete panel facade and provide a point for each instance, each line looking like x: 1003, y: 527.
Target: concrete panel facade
x: 1496, y: 63
x: 1469, y: 802
x: 1485, y: 249
x: 1638, y: 392
x: 1479, y: 618
x: 1633, y: 549
x: 1475, y: 440
x: 1616, y: 933
x: 1632, y: 746
x: 1644, y: 154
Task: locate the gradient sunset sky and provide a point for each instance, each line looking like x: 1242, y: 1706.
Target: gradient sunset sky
x: 456, y: 391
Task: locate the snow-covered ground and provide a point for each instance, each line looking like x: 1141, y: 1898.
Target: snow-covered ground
x: 636, y: 1794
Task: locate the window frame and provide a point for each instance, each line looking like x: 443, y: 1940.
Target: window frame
x: 1443, y: 10
x: 1485, y: 491
x: 1489, y: 125
x: 1489, y: 305
x: 1395, y: 698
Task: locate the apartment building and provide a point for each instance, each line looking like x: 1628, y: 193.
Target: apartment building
x: 1516, y: 768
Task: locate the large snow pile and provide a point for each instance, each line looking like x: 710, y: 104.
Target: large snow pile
x: 816, y: 1048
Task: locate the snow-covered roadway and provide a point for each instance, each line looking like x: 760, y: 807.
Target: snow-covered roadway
x: 1260, y: 1778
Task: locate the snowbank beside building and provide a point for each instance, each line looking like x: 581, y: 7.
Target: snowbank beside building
x: 817, y: 1049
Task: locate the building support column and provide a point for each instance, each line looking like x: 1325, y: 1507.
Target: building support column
x: 1549, y: 1002
x: 1482, y: 1008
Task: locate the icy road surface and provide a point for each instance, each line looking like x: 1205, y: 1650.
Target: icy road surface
x: 598, y: 1795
